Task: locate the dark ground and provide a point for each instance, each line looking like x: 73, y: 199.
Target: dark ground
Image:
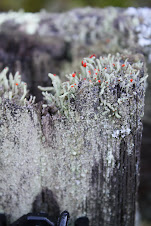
x: 145, y: 175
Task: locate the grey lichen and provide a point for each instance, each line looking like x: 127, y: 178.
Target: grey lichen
x: 26, y: 21
x: 13, y: 88
x: 87, y: 26
x: 108, y: 73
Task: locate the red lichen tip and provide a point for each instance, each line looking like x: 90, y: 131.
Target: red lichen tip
x: 84, y: 78
x: 114, y: 65
x: 73, y: 75
x: 54, y: 74
x: 131, y: 80
x: 83, y: 64
x: 75, y: 84
x: 89, y: 80
x: 72, y: 86
x: 105, y: 68
x: 96, y: 73
x: 93, y: 55
x: 99, y: 81
x: 123, y: 65
x: 16, y: 84
x: 89, y: 72
x: 107, y: 40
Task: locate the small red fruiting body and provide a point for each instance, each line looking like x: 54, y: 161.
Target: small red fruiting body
x: 107, y: 40
x: 93, y: 55
x: 83, y: 64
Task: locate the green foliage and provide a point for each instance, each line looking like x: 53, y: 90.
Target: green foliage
x: 104, y: 3
x: 34, y: 6
x: 27, y: 5
x: 60, y: 5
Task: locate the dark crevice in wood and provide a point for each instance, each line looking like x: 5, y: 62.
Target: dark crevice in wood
x: 46, y: 202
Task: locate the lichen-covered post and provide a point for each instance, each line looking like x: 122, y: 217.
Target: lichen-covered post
x: 20, y: 146
x: 92, y: 152
x: 81, y: 152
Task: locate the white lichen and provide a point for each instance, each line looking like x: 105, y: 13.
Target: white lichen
x: 13, y: 88
x: 141, y: 29
x: 105, y: 72
x: 27, y: 22
x: 121, y: 132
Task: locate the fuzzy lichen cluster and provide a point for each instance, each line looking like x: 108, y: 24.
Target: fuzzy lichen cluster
x: 109, y: 73
x: 87, y: 25
x: 141, y: 27
x: 13, y: 88
x: 27, y: 22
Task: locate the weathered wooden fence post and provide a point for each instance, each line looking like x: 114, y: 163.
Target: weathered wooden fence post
x: 96, y: 151
x: 84, y: 158
x: 20, y: 148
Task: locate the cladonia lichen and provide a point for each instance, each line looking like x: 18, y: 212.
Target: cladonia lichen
x: 27, y: 22
x: 109, y: 73
x: 13, y: 89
